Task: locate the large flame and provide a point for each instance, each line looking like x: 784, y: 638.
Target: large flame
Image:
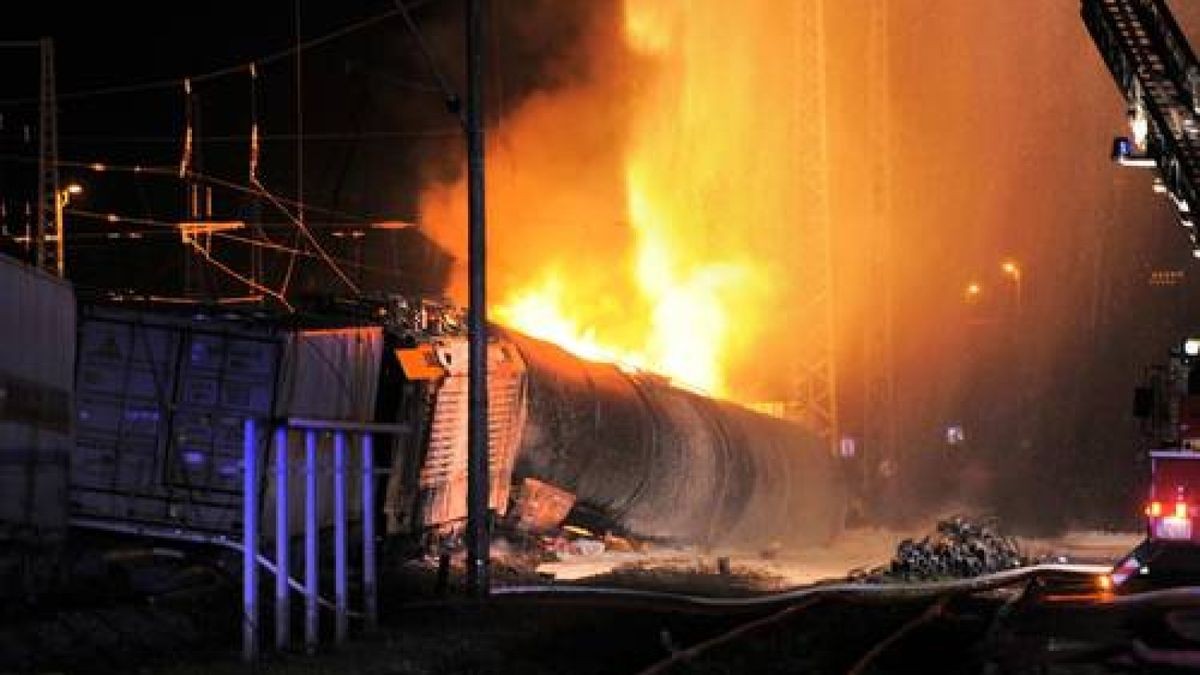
x: 652, y: 230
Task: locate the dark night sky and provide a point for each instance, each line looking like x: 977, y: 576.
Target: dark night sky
x: 376, y: 126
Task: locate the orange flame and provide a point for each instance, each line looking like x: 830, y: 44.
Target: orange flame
x: 675, y: 141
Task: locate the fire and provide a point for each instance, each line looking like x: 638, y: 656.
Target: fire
x: 656, y: 231
x: 542, y: 312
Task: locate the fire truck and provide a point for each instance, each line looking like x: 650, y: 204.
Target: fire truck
x: 1168, y: 405
x: 1156, y: 71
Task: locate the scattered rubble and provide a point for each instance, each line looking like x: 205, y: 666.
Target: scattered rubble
x: 959, y: 549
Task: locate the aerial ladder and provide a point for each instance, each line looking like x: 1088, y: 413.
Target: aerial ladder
x: 1157, y: 72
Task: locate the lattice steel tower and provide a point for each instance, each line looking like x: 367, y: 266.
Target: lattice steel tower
x: 814, y: 375
x: 879, y: 416
x: 45, y: 235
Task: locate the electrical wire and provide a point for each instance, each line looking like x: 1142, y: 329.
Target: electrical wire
x: 162, y: 227
x: 452, y: 99
x: 228, y: 70
x: 251, y: 283
x: 173, y: 172
x: 140, y: 220
x: 319, y: 137
x: 299, y: 153
x: 311, y: 239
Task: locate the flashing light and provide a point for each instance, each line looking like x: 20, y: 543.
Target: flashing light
x: 1191, y: 347
x: 1154, y: 509
x: 1181, y: 510
x: 1104, y: 582
x: 1122, y: 148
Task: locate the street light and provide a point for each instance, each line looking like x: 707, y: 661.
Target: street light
x: 973, y: 291
x: 1013, y: 270
x: 64, y: 198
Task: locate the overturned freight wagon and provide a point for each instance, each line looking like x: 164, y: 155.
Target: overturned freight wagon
x: 634, y: 451
x: 161, y: 403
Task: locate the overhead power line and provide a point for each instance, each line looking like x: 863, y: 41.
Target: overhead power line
x: 164, y: 227
x: 172, y: 172
x: 242, y: 67
x: 251, y: 283
x: 245, y: 138
x: 311, y: 239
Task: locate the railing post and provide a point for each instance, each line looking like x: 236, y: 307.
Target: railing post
x: 339, y: 538
x: 249, y: 541
x: 283, y: 613
x: 311, y: 606
x: 370, y: 592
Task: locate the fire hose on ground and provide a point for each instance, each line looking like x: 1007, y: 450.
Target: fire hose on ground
x: 794, y: 601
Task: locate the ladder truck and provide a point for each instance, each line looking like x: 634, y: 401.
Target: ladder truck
x: 1154, y: 67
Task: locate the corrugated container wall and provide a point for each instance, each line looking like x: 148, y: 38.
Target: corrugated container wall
x: 37, y: 358
x: 161, y: 404
x: 324, y: 375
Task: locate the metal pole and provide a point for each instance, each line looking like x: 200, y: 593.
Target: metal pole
x: 370, y: 591
x: 311, y: 608
x: 47, y: 154
x: 249, y: 542
x: 283, y: 568
x: 60, y: 241
x: 339, y: 538
x: 477, y: 416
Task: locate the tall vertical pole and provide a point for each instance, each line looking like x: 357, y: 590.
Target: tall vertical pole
x: 283, y: 568
x: 341, y: 600
x: 370, y: 588
x: 477, y: 417
x: 311, y: 608
x: 60, y: 235
x: 47, y: 162
x: 814, y: 380
x: 249, y: 541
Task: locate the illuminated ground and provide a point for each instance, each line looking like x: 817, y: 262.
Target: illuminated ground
x: 860, y: 549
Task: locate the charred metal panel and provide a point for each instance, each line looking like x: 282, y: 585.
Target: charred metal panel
x: 443, y: 491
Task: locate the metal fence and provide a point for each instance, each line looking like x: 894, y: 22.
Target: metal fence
x: 343, y: 433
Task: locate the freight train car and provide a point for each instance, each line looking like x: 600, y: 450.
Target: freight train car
x: 37, y: 356
x: 162, y: 398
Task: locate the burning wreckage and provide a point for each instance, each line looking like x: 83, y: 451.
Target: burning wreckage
x: 592, y: 443
x: 159, y: 399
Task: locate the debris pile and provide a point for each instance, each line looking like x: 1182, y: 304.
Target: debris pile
x: 572, y: 540
x: 960, y: 549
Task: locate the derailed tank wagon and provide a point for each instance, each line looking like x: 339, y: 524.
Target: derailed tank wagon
x: 666, y: 462
x: 636, y: 453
